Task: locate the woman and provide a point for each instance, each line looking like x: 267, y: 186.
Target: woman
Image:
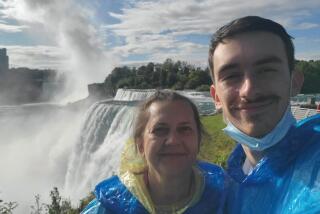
x: 162, y: 175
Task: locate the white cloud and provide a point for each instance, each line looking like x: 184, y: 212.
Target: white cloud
x: 308, y: 55
x: 150, y: 28
x: 7, y: 28
x: 306, y: 25
x: 70, y: 27
x: 142, y: 21
x: 42, y: 57
x: 200, y: 16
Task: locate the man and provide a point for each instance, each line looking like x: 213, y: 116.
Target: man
x: 276, y: 163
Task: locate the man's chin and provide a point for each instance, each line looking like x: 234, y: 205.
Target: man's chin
x: 253, y: 129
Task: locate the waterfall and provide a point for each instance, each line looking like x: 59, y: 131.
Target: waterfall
x: 35, y: 146
x: 107, y: 127
x: 133, y: 94
x: 96, y: 154
x: 47, y: 145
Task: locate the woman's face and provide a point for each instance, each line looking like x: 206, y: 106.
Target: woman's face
x: 170, y: 140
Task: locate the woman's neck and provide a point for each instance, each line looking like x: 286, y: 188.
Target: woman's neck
x: 167, y: 190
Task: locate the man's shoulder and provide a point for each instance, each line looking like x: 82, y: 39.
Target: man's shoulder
x: 306, y: 131
x: 310, y: 121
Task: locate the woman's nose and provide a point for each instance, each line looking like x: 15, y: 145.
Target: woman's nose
x: 173, y: 138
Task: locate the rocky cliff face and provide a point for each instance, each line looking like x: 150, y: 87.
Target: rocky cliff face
x: 100, y: 91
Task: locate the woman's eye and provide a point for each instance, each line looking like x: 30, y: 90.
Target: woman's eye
x: 160, y: 131
x: 184, y: 129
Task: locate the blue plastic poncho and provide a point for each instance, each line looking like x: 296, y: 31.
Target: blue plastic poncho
x: 285, y: 181
x: 127, y: 193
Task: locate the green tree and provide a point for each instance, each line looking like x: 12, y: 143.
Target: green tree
x: 59, y: 205
x: 38, y: 207
x: 311, y: 71
x: 169, y: 74
x: 54, y: 207
x: 7, y: 207
x: 85, y: 201
x: 203, y: 88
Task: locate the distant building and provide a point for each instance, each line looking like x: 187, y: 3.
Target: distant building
x: 25, y: 85
x: 4, y: 60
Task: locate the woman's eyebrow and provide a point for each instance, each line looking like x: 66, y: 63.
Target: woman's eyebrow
x: 160, y: 124
x: 184, y: 123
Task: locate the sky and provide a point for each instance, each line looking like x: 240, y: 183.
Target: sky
x: 93, y: 36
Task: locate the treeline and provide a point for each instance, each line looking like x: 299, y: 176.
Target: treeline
x: 311, y: 70
x: 169, y: 74
x: 180, y: 75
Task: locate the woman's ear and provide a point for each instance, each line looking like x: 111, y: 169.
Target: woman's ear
x: 296, y: 82
x: 140, y: 147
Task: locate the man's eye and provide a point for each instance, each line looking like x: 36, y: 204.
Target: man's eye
x: 160, y: 131
x: 267, y: 70
x: 231, y: 77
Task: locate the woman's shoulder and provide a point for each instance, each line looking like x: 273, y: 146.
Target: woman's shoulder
x: 94, y: 207
x: 106, y: 190
x: 114, y: 196
x: 108, y: 184
x: 215, y: 179
x: 210, y: 169
x: 212, y: 194
x: 111, y: 190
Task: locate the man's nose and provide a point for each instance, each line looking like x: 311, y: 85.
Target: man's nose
x: 249, y: 88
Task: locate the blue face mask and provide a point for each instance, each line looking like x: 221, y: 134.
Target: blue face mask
x: 273, y: 137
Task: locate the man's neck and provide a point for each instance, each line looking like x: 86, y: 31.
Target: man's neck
x: 252, y: 156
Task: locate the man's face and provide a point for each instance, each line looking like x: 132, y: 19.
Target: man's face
x: 252, y: 81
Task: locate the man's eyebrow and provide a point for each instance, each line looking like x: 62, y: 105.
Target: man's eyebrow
x: 265, y: 60
x: 269, y: 59
x: 228, y: 67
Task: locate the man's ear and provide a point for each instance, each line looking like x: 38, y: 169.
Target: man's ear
x: 215, y: 97
x: 296, y: 82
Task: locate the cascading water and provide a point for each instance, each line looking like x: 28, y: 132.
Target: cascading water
x: 48, y: 145
x: 97, y: 152
x: 133, y: 94
x: 107, y: 127
x: 36, y: 141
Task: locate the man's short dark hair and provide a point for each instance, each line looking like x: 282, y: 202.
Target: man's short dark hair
x: 251, y: 24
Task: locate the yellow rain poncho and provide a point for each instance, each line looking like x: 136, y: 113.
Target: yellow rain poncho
x: 128, y: 193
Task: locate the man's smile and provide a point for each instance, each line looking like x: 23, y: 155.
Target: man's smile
x: 257, y: 105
